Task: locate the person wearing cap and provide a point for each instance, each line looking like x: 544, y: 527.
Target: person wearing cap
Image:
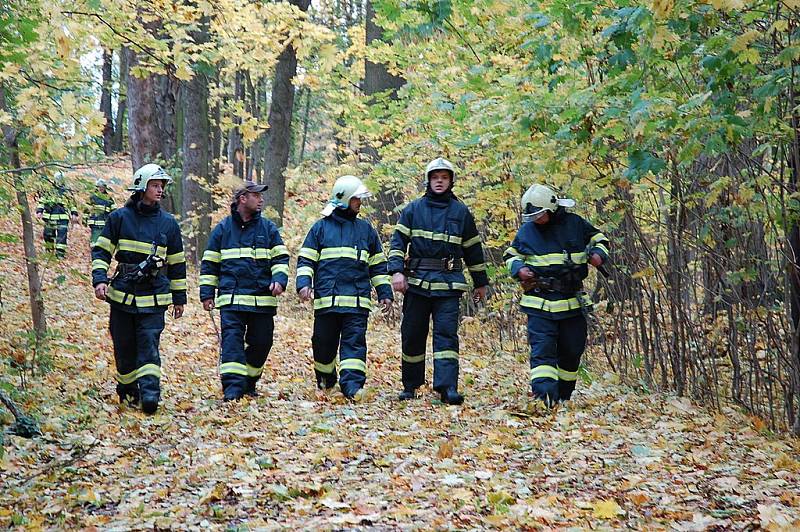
x: 433, y: 241
x: 245, y: 268
x: 56, y: 210
x: 150, y: 275
x: 550, y: 257
x: 341, y: 261
x: 100, y: 207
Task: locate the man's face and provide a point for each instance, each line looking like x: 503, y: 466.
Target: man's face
x: 103, y: 189
x: 542, y: 218
x: 252, y: 201
x: 355, y: 205
x: 439, y: 180
x: 154, y: 191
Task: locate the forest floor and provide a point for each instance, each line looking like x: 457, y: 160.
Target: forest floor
x: 296, y: 458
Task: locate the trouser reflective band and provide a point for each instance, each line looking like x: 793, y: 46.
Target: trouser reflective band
x: 136, y: 339
x: 417, y: 313
x: 246, y: 342
x: 348, y: 333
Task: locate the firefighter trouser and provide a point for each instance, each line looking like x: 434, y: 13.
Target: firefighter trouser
x: 246, y: 342
x: 96, y: 232
x: 347, y: 333
x: 136, y: 338
x: 556, y: 349
x: 55, y: 239
x: 417, y: 311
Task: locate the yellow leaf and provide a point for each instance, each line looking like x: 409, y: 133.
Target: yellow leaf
x: 606, y: 509
x: 183, y: 72
x: 742, y: 41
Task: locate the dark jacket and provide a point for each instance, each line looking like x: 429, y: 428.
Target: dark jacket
x: 240, y: 262
x: 438, y: 226
x: 556, y: 250
x: 130, y: 235
x: 56, y: 207
x: 101, y: 206
x: 342, y: 260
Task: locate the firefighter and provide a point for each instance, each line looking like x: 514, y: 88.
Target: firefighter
x: 432, y: 242
x: 56, y: 211
x: 101, y: 206
x: 550, y: 257
x: 246, y: 266
x: 150, y: 275
x: 341, y: 261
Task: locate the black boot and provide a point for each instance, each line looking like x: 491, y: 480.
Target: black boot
x: 406, y: 394
x: 128, y: 395
x: 250, y: 389
x: 451, y: 397
x: 149, y: 405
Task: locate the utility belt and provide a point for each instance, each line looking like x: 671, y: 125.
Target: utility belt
x: 139, y: 271
x: 553, y: 284
x: 440, y: 265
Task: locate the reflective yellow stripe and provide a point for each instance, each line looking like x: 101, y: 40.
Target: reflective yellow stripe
x: 305, y: 270
x: 56, y: 216
x: 353, y: 364
x: 414, y: 359
x: 397, y: 253
x: 253, y: 371
x: 145, y: 301
x: 246, y: 300
x: 425, y: 285
x: 597, y: 238
x: 544, y: 372
x: 104, y: 243
x: 309, y: 253
x: 441, y: 355
x: 377, y: 258
x: 176, y: 258
x: 343, y: 301
x: 137, y: 246
x: 403, y: 229
x: 325, y: 368
x: 278, y: 250
x: 98, y: 264
x: 554, y: 259
x: 209, y: 280
x: 478, y: 267
x: 565, y: 375
x: 472, y: 241
x: 380, y: 279
x: 127, y: 378
x: 212, y: 256
x: 557, y: 305
x: 602, y: 248
x: 279, y: 268
x: 342, y: 253
x: 244, y: 253
x: 149, y: 370
x: 96, y: 223
x: 430, y: 235
x: 233, y: 368
x: 177, y: 284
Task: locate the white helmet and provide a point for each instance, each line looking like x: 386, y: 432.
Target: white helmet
x: 346, y: 188
x: 440, y: 163
x: 147, y: 173
x: 540, y: 198
x: 100, y: 183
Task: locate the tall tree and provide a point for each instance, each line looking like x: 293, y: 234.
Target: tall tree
x: 143, y: 131
x: 280, y: 124
x: 117, y: 143
x: 105, y: 102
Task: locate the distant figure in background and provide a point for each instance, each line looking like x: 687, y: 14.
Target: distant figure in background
x: 550, y: 257
x: 150, y: 276
x: 56, y: 210
x: 246, y: 266
x: 100, y: 207
x: 341, y: 261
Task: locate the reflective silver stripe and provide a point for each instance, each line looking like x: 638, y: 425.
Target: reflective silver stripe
x: 554, y: 259
x: 244, y: 253
x: 209, y: 280
x: 343, y: 301
x: 212, y: 256
x: 377, y: 258
x: 342, y: 253
x: 441, y: 355
x: 472, y: 241
x: 278, y: 250
x: 353, y: 364
x: 544, y: 372
x: 425, y: 285
x: 414, y: 359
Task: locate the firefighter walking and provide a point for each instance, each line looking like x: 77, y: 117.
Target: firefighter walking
x: 245, y: 268
x: 56, y: 210
x: 434, y: 240
x: 550, y: 256
x: 100, y: 206
x: 150, y: 275
x: 341, y: 261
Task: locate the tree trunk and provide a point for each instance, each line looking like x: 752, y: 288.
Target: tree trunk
x: 143, y: 131
x: 196, y: 197
x: 377, y: 79
x: 35, y: 294
x: 105, y: 103
x: 280, y: 125
x: 122, y: 103
x: 235, y: 147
